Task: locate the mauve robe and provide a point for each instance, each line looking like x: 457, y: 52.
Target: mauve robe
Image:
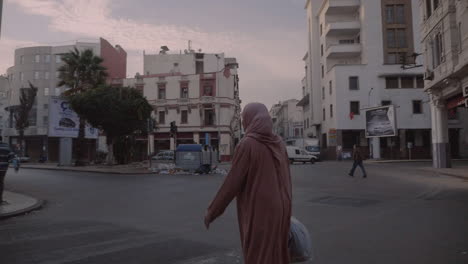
x: 260, y: 180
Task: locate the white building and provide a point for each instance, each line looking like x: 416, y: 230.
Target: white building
x: 288, y: 120
x: 39, y: 65
x: 354, y: 62
x: 444, y: 36
x: 197, y: 91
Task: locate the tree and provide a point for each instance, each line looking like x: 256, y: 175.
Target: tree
x: 22, y: 111
x: 119, y: 112
x: 82, y: 71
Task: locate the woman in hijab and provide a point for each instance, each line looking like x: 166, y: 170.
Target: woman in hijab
x: 260, y: 180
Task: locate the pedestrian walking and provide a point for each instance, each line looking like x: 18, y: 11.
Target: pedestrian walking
x: 260, y: 181
x: 16, y: 163
x: 358, y: 158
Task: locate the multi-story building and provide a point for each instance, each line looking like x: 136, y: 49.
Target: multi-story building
x: 39, y: 65
x: 288, y: 120
x: 197, y: 91
x: 354, y: 62
x: 444, y: 36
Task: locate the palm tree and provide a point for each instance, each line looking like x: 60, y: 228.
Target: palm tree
x: 81, y: 71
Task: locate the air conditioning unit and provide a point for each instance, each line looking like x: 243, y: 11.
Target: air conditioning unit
x: 429, y: 75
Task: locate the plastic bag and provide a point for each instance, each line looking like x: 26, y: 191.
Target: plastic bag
x: 300, y: 244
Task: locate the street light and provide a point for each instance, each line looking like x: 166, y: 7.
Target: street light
x: 219, y: 108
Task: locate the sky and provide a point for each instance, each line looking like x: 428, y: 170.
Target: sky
x: 268, y: 37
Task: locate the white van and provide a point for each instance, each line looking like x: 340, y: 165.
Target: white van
x: 296, y: 154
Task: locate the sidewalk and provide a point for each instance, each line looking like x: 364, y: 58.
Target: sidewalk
x: 18, y: 204
x: 130, y: 169
x: 116, y: 169
x: 459, y: 171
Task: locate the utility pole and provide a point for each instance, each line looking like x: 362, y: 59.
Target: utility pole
x: 1, y: 9
x: 219, y: 109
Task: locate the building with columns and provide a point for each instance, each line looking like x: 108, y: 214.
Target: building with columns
x: 355, y: 61
x: 444, y: 38
x: 199, y: 92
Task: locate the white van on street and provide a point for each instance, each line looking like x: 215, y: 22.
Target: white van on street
x: 296, y: 154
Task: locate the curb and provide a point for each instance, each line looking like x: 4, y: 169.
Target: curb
x: 92, y: 171
x: 38, y: 205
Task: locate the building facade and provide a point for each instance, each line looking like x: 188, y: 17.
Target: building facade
x: 288, y: 119
x: 197, y: 91
x: 358, y: 60
x: 39, y: 65
x: 444, y: 38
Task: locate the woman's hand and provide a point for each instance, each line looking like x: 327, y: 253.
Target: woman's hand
x: 207, y: 220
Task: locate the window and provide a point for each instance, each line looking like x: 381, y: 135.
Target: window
x: 386, y: 102
x: 436, y: 4
x: 321, y: 50
x: 184, y: 117
x: 399, y: 14
x: 184, y: 91
x: 209, y: 117
x: 58, y: 58
x: 46, y: 75
x: 323, y: 71
x: 419, y: 81
x: 460, y: 38
x: 346, y: 41
x: 57, y: 91
x: 324, y: 114
x: 330, y: 87
x: 396, y: 38
x: 331, y: 111
x: 162, y: 117
x: 428, y: 8
x: 37, y: 58
x: 407, y: 82
x: 161, y: 91
x: 354, y: 107
x: 354, y: 83
x: 321, y: 29
x: 208, y: 90
x: 46, y: 106
x: 323, y: 92
x: 417, y: 107
x: 21, y: 59
x: 199, y: 67
x: 46, y: 91
x: 57, y: 74
x: 47, y: 58
x: 391, y: 39
x: 36, y: 75
x: 390, y: 14
x: 21, y: 76
x: 438, y: 50
x: 297, y: 132
x: 45, y: 120
x: 391, y: 83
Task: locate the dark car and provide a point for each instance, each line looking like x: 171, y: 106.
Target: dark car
x: 67, y: 122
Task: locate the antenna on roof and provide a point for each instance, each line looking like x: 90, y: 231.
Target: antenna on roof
x: 164, y: 50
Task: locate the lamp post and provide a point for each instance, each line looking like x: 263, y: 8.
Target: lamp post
x: 219, y: 108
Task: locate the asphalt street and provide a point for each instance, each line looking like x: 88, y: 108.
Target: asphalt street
x: 400, y: 214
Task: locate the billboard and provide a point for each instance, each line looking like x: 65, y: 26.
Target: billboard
x: 64, y: 122
x: 380, y: 122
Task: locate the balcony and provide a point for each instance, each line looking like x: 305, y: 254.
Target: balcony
x: 343, y: 28
x: 337, y: 7
x: 341, y: 51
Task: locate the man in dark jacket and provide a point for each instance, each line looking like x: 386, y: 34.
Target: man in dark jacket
x: 357, y: 157
x: 5, y: 155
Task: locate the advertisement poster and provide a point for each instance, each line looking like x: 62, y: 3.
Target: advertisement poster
x: 64, y: 122
x: 380, y: 122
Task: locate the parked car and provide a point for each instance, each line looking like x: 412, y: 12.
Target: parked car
x: 164, y: 155
x: 296, y: 154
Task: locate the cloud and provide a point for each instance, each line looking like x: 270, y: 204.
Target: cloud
x: 7, y: 47
x: 263, y: 56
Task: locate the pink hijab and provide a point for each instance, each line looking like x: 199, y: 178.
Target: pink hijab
x: 259, y: 126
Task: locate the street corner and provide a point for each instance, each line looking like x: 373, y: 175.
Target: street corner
x: 17, y: 204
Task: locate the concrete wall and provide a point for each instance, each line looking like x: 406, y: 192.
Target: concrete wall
x: 115, y: 60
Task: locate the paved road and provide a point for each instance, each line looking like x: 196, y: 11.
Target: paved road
x: 398, y: 215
